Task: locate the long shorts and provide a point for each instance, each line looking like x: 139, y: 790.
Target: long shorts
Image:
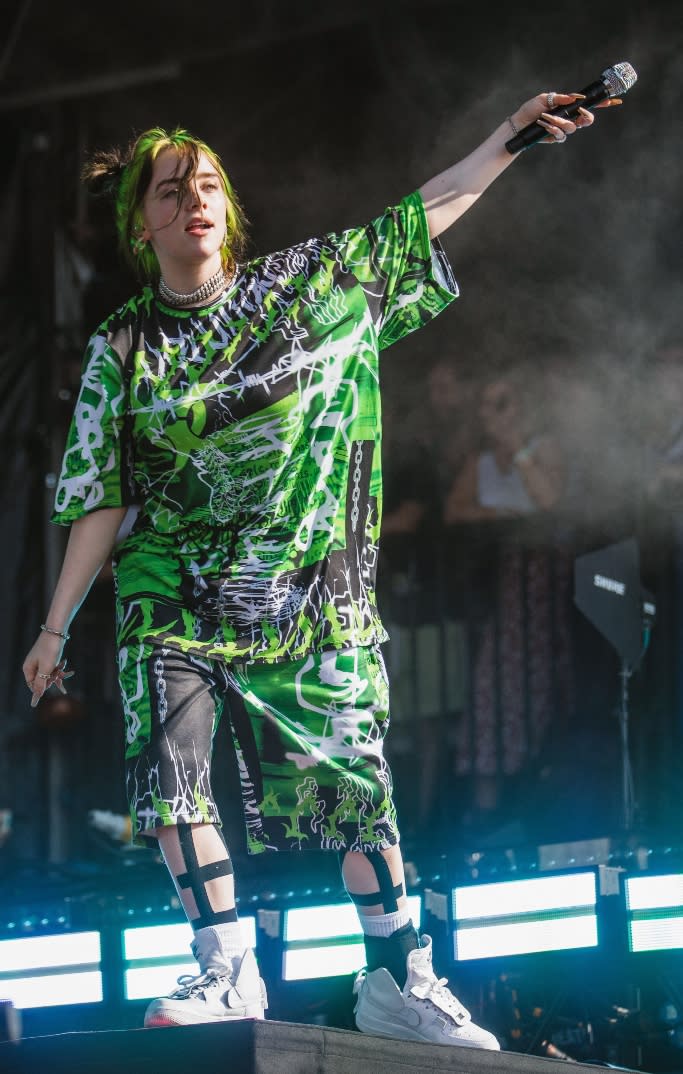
x: 308, y: 736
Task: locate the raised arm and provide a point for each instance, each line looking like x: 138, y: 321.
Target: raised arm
x: 91, y: 540
x: 451, y: 193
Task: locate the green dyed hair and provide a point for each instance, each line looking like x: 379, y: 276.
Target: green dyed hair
x: 126, y: 175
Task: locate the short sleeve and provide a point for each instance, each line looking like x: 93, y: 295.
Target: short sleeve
x: 405, y: 275
x: 96, y: 467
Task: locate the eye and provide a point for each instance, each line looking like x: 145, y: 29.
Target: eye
x: 211, y: 186
x: 170, y: 192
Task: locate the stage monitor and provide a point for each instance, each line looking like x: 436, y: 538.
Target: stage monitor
x: 607, y: 589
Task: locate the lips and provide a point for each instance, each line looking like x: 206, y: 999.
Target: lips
x: 198, y: 227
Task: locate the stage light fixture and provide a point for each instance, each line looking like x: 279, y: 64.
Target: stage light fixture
x: 326, y: 940
x: 654, y: 911
x: 154, y: 953
x: 51, y: 971
x: 514, y: 917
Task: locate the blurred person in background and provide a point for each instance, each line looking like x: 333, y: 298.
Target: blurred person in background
x: 518, y: 641
x: 519, y: 468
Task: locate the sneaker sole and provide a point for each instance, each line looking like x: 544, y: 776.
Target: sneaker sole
x: 397, y: 1031
x: 168, y: 1015
x: 159, y: 1021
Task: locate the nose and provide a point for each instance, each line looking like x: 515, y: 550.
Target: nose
x: 192, y: 195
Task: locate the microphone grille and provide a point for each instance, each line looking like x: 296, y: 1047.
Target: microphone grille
x: 619, y: 78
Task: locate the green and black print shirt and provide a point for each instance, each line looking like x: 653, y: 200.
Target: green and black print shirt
x: 248, y: 432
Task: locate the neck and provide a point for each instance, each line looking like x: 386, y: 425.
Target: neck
x: 185, y: 278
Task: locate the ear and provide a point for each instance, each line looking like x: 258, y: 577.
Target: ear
x: 141, y: 233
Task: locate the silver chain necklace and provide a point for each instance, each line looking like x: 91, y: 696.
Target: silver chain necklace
x: 218, y: 282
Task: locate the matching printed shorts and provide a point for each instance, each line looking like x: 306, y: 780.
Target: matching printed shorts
x: 308, y: 736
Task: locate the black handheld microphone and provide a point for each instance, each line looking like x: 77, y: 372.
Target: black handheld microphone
x: 612, y: 83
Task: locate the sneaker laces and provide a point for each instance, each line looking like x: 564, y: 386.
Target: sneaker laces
x: 189, y: 986
x: 433, y: 988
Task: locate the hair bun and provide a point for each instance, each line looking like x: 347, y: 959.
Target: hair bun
x: 103, y: 170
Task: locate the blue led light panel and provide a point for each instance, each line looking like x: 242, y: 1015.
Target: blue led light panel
x: 51, y: 971
x: 654, y: 907
x: 514, y: 917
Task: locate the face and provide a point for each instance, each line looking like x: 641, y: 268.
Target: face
x: 191, y: 236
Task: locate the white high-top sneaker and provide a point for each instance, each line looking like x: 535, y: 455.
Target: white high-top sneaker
x: 228, y: 988
x: 423, y: 1010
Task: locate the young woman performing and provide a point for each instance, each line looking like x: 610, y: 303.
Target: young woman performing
x: 234, y: 405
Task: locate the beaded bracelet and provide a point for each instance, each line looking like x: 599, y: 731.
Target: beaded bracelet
x: 58, y: 633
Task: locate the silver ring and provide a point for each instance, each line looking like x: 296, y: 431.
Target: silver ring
x: 560, y: 137
x: 550, y: 101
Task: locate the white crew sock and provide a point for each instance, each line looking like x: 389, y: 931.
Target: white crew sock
x: 383, y: 924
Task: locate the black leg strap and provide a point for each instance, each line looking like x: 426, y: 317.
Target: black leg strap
x: 196, y: 877
x: 388, y: 894
x: 205, y: 873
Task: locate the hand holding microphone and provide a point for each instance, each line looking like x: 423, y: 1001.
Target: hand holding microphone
x: 602, y: 93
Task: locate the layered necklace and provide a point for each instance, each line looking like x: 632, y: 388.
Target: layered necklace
x: 220, y: 281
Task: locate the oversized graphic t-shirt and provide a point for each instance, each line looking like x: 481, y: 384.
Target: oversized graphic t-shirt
x: 248, y: 434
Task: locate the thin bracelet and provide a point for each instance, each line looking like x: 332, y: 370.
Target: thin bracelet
x: 512, y: 124
x: 59, y: 633
x: 524, y: 454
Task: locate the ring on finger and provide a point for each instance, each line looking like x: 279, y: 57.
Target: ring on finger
x: 550, y: 100
x: 560, y: 136
x: 42, y: 675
